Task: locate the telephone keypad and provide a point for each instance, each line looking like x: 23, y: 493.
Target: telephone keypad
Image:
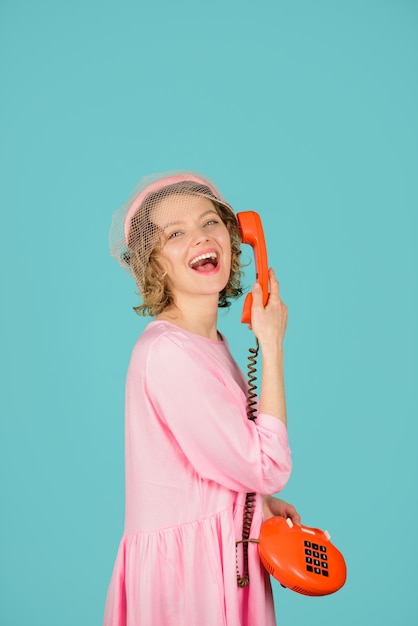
x: 319, y: 561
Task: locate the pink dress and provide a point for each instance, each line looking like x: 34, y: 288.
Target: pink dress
x: 191, y: 456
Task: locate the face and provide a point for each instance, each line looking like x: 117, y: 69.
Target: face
x: 196, y: 252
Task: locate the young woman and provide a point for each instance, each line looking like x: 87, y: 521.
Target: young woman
x: 191, y: 453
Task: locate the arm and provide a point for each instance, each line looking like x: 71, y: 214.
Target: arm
x: 269, y: 326
x: 205, y: 410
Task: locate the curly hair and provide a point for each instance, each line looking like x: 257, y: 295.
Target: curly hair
x: 153, y: 286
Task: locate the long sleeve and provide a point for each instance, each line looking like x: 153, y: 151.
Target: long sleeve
x: 205, y: 410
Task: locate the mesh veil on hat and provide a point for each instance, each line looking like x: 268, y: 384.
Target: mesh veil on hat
x: 132, y: 228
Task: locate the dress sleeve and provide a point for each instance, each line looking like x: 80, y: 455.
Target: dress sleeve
x: 208, y: 420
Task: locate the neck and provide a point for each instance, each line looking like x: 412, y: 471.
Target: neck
x: 198, y: 315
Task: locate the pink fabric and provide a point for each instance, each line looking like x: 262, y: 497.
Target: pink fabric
x: 191, y: 456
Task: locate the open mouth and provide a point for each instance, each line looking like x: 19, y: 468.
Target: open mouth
x: 206, y: 262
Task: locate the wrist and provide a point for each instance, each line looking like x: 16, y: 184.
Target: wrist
x: 272, y: 354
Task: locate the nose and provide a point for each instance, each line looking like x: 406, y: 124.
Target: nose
x: 199, y: 236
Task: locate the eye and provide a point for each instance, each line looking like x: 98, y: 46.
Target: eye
x: 175, y: 234
x: 211, y: 222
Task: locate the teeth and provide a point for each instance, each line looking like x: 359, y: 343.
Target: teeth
x: 208, y: 255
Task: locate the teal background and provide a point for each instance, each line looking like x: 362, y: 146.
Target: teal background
x: 305, y: 111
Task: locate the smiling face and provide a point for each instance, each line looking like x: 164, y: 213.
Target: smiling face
x: 196, y: 248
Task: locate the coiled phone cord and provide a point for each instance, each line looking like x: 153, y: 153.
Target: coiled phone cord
x: 244, y: 579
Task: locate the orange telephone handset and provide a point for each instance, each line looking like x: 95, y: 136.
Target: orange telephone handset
x: 252, y: 233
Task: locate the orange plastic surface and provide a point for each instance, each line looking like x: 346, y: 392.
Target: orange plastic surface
x: 252, y: 233
x: 284, y: 552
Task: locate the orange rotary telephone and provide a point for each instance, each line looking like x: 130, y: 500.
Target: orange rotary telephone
x: 301, y: 558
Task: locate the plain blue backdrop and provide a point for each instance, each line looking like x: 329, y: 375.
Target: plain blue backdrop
x: 305, y: 111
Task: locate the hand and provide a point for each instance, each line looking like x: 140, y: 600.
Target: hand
x: 268, y: 323
x: 274, y: 507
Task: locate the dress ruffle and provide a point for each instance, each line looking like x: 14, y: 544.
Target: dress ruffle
x: 207, y: 598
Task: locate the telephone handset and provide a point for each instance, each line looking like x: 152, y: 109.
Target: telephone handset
x: 252, y: 233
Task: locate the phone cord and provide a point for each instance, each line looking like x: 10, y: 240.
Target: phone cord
x: 249, y: 507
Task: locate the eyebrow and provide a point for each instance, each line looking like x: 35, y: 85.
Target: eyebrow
x: 177, y: 222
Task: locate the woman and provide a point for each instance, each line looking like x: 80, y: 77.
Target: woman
x: 191, y: 453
